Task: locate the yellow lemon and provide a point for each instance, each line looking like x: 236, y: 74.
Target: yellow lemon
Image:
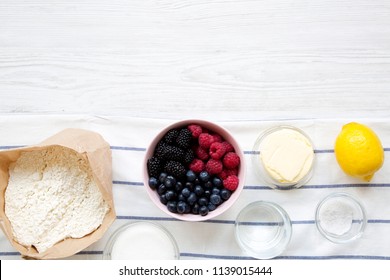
x: 359, y: 151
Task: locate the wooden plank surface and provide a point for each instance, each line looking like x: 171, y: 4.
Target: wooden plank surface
x: 177, y: 59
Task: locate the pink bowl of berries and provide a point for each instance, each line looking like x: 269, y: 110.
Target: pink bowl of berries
x: 194, y: 170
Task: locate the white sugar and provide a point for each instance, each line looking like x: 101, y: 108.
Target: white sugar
x: 336, y: 217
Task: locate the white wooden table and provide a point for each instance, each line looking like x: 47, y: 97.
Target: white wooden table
x: 219, y: 60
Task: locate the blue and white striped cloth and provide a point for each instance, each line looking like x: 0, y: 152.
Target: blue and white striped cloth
x: 214, y: 239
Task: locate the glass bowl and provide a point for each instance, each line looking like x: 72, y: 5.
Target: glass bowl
x: 284, y: 157
x: 263, y: 229
x: 141, y: 241
x: 340, y: 218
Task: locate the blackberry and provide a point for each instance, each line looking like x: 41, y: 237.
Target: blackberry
x: 154, y: 167
x: 159, y: 151
x: 184, y: 138
x: 171, y: 135
x: 189, y: 156
x: 175, y: 169
x: 169, y: 152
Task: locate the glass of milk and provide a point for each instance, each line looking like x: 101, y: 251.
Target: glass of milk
x: 141, y: 241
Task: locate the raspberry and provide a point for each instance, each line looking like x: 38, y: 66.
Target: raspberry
x: 231, y: 160
x: 217, y: 138
x: 214, y: 166
x: 223, y: 175
x: 228, y: 147
x: 201, y: 153
x: 197, y: 165
x: 195, y: 129
x: 232, y: 171
x: 205, y: 140
x: 217, y: 150
x: 231, y: 183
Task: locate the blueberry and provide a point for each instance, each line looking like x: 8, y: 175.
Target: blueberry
x: 170, y: 195
x: 204, y: 176
x: 215, y: 191
x: 197, y: 181
x: 186, y: 192
x: 211, y: 206
x: 170, y: 182
x: 215, y: 199
x: 161, y: 189
x: 192, y: 199
x: 179, y: 187
x: 203, y: 210
x: 182, y: 207
x: 153, y: 183
x: 198, y: 190
x: 190, y: 186
x: 195, y: 209
x: 225, y: 194
x: 162, y: 177
x: 203, y: 201
x: 217, y: 182
x: 181, y: 197
x: 172, y: 206
x: 207, y: 193
x: 208, y: 185
x: 191, y: 176
x: 163, y: 199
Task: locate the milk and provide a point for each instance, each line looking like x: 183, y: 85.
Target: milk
x: 144, y: 241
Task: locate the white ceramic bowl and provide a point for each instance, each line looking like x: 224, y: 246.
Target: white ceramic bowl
x: 241, y: 170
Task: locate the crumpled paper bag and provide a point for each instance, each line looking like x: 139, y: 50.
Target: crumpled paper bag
x: 97, y: 151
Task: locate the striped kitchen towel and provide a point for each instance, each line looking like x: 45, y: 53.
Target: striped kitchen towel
x: 214, y: 239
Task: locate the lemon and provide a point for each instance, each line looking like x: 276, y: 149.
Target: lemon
x: 359, y: 151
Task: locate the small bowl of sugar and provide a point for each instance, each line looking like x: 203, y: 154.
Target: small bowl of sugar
x: 340, y: 218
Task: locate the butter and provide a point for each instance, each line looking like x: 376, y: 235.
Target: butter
x: 287, y: 155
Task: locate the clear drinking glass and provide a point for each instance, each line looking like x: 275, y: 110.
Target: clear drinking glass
x: 263, y: 229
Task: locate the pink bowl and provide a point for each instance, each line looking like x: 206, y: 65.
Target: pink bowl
x: 221, y: 208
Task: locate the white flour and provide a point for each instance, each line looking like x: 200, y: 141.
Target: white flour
x: 51, y: 195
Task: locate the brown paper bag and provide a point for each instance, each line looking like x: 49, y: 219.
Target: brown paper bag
x: 97, y: 151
